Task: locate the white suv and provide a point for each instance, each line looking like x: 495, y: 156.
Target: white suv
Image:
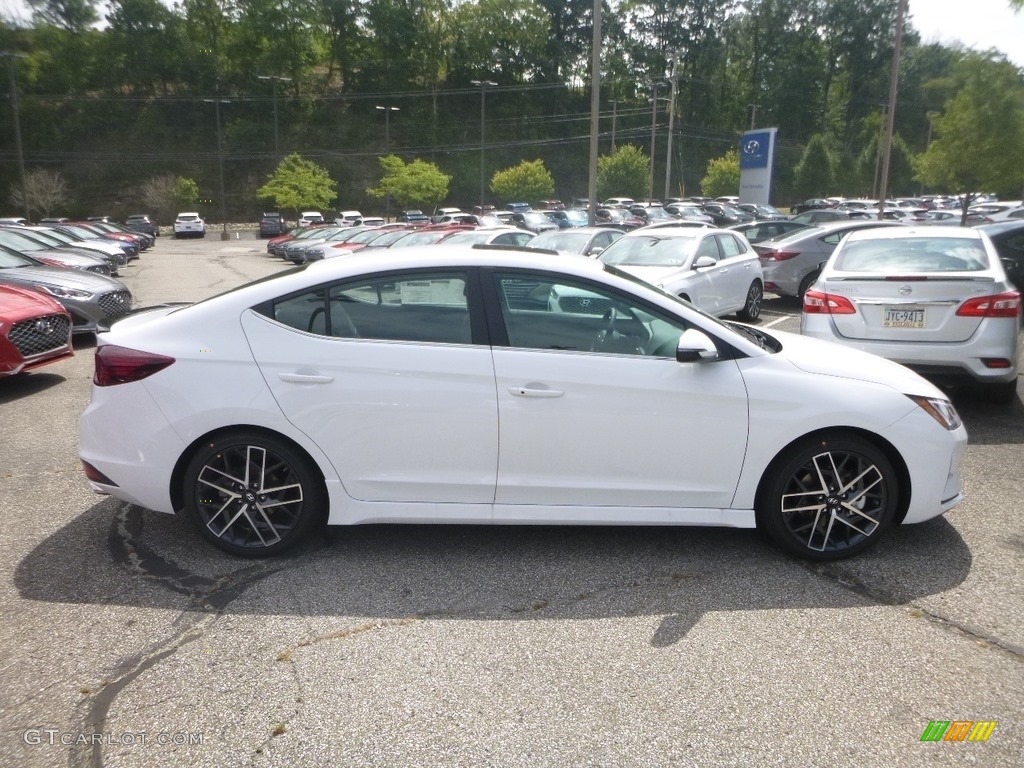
x: 189, y: 224
x: 309, y: 218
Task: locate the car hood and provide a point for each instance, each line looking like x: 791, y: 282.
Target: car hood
x: 828, y: 359
x: 17, y: 302
x: 60, y: 277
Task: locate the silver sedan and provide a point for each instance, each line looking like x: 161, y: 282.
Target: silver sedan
x: 933, y: 298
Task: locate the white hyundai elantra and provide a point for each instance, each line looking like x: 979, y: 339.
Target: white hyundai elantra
x: 444, y: 385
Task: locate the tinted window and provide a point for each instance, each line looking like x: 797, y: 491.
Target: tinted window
x: 421, y: 307
x: 730, y: 246
x: 542, y: 312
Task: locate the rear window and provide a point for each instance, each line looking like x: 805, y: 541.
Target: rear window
x: 917, y: 254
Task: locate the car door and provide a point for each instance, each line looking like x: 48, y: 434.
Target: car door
x: 382, y: 372
x: 596, y: 412
x: 736, y: 270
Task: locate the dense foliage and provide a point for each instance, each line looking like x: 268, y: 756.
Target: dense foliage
x: 111, y: 105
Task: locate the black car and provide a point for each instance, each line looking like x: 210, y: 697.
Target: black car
x: 272, y: 225
x: 1008, y: 238
x: 725, y: 215
x: 814, y: 204
x: 140, y: 222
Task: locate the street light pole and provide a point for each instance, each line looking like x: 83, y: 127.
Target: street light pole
x: 11, y: 56
x: 220, y: 166
x: 387, y: 150
x: 483, y: 85
x: 275, y: 79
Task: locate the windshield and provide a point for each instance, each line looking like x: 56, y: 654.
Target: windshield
x: 10, y: 260
x: 466, y: 238
x: 649, y: 251
x: 561, y: 241
x: 913, y: 254
x: 20, y: 242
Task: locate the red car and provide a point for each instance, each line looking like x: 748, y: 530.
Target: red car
x: 34, y: 330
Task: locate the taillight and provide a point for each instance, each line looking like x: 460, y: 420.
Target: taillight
x: 779, y: 255
x: 1001, y: 305
x: 120, y: 365
x: 820, y: 303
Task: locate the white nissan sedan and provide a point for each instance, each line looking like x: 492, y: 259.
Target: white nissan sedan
x: 439, y: 385
x: 933, y: 298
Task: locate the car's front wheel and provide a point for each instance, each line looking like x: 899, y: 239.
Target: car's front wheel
x: 253, y: 495
x: 752, y: 308
x: 828, y: 497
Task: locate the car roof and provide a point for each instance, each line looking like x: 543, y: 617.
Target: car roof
x: 906, y: 232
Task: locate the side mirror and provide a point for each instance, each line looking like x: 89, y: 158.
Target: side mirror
x: 595, y: 252
x: 704, y: 261
x: 695, y: 346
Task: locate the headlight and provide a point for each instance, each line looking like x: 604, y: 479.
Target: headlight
x: 939, y: 409
x: 64, y: 293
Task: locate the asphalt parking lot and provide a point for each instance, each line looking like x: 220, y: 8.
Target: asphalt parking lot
x: 127, y: 641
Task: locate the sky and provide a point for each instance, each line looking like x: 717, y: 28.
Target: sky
x: 980, y: 24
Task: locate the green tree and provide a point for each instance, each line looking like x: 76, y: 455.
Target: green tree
x: 417, y: 184
x: 814, y: 175
x: 978, y: 138
x: 723, y: 175
x: 623, y: 173
x: 529, y: 180
x: 72, y: 15
x: 298, y: 183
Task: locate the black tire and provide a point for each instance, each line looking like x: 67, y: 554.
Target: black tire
x: 828, y: 497
x: 805, y: 284
x: 752, y: 309
x: 223, y: 491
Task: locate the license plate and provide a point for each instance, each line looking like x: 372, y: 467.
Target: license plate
x: 903, y: 317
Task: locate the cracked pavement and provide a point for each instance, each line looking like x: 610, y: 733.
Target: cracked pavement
x: 128, y: 641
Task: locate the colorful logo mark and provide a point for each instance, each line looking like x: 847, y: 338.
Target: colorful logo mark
x: 958, y: 730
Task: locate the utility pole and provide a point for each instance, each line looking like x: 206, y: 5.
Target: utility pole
x: 595, y: 113
x: 11, y: 56
x: 274, y: 79
x: 483, y: 85
x: 654, y: 125
x: 387, y: 150
x: 671, y: 126
x: 753, y: 114
x: 894, y: 78
x: 220, y: 166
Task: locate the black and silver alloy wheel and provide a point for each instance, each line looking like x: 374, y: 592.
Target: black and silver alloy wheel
x: 752, y: 309
x: 252, y: 495
x: 830, y: 498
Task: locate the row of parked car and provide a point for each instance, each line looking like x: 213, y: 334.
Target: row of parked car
x: 57, y: 279
x: 723, y: 272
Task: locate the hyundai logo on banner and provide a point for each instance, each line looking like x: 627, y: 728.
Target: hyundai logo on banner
x: 754, y: 149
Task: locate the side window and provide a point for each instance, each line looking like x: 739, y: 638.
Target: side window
x: 418, y: 307
x: 730, y: 246
x: 708, y: 247
x: 834, y: 238
x: 522, y: 238
x: 577, y: 316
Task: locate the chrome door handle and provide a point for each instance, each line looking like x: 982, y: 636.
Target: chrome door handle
x: 305, y: 378
x: 534, y: 392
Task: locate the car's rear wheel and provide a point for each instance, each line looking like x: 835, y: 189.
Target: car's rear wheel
x: 828, y: 497
x: 253, y: 495
x: 752, y: 308
x: 805, y: 284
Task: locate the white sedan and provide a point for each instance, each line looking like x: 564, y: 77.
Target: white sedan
x: 716, y: 270
x: 437, y: 385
